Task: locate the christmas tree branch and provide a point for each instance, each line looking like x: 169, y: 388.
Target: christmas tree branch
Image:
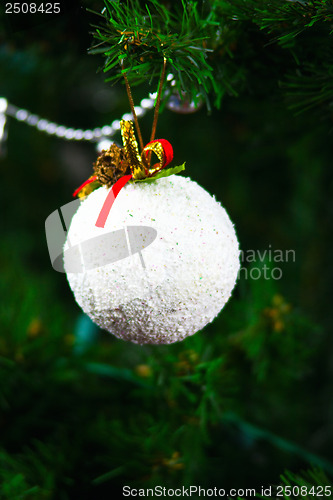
x: 158, y: 101
x: 256, y: 433
x: 135, y: 118
x: 221, y: 46
x: 143, y: 36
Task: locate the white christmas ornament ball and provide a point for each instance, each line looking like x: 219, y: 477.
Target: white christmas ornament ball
x: 180, y: 274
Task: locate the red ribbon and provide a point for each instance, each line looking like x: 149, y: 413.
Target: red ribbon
x: 88, y: 181
x: 112, y: 195
x: 114, y: 191
x: 167, y: 150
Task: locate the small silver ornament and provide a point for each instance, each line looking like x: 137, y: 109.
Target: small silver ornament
x: 182, y: 104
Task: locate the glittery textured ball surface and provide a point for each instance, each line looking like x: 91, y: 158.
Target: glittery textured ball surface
x: 168, y: 282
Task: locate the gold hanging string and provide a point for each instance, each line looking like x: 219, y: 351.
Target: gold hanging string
x: 131, y: 102
x: 158, y: 100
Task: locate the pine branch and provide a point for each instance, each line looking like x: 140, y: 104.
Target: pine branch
x: 310, y: 86
x: 313, y: 481
x: 254, y: 433
x: 303, y: 28
x: 140, y: 37
x: 285, y: 20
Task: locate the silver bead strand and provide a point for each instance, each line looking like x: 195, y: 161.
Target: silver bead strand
x: 100, y: 135
x: 3, y: 132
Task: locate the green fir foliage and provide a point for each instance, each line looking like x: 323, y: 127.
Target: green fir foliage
x: 307, y: 484
x: 135, y: 39
x: 175, y: 400
x: 303, y: 30
x: 211, y: 47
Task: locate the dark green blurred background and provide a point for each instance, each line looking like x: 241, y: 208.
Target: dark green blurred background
x: 82, y: 413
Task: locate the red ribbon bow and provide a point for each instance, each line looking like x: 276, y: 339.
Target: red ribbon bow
x: 158, y: 146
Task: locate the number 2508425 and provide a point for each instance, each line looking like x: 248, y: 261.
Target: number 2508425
x: 302, y: 491
x: 32, y: 8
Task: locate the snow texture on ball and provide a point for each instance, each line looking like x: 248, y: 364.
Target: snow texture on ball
x: 178, y: 278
